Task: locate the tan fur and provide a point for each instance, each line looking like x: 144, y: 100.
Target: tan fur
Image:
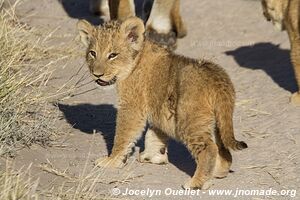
x: 285, y: 15
x: 178, y: 97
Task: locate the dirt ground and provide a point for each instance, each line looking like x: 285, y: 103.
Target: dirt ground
x: 232, y: 33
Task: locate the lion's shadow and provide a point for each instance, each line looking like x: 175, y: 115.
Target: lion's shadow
x: 79, y: 9
x: 102, y: 118
x: 269, y: 58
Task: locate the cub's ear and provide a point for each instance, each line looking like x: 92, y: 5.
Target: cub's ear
x: 133, y: 31
x: 86, y: 31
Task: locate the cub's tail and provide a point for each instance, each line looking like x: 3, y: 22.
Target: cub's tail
x: 224, y: 114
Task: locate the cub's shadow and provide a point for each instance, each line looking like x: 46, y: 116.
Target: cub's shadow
x: 87, y: 118
x: 102, y: 118
x: 270, y: 58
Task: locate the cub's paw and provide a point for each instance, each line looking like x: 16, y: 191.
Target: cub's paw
x: 194, y: 184
x: 110, y: 162
x: 222, y: 166
x: 295, y: 99
x: 153, y: 157
x: 220, y: 174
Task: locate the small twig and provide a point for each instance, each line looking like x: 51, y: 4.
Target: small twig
x: 255, y: 167
x: 48, y: 167
x: 253, y: 134
x: 243, y: 102
x: 260, y: 111
x: 125, y: 180
x: 275, y: 178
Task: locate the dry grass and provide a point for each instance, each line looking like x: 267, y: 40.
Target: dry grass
x: 24, y: 118
x: 82, y: 187
x: 26, y: 66
x: 20, y: 184
x: 87, y: 186
x: 17, y: 184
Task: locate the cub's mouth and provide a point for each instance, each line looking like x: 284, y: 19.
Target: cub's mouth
x: 105, y: 83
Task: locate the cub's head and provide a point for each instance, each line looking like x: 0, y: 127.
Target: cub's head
x: 274, y: 10
x: 112, y: 48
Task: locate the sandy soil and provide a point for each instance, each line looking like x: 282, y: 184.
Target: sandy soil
x: 232, y: 33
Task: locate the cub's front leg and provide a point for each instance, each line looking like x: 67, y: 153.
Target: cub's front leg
x: 130, y: 125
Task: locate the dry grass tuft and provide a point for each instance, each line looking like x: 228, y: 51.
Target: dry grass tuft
x: 21, y: 184
x: 17, y: 184
x: 25, y: 118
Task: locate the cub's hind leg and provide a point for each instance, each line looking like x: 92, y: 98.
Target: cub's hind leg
x: 155, y: 147
x: 224, y: 158
x: 205, y: 153
x: 199, y: 142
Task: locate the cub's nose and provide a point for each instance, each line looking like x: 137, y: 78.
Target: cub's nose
x: 97, y: 75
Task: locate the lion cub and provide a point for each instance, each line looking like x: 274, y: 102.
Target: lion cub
x: 189, y: 100
x: 285, y: 15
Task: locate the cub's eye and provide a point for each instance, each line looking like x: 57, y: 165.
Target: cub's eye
x: 92, y: 53
x: 112, y: 56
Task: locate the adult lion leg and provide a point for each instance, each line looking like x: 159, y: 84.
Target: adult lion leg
x: 178, y: 24
x: 160, y: 16
x: 155, y: 148
x: 121, y: 9
x: 130, y: 125
x: 100, y: 7
x: 295, y: 57
x: 112, y: 9
x: 165, y: 23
